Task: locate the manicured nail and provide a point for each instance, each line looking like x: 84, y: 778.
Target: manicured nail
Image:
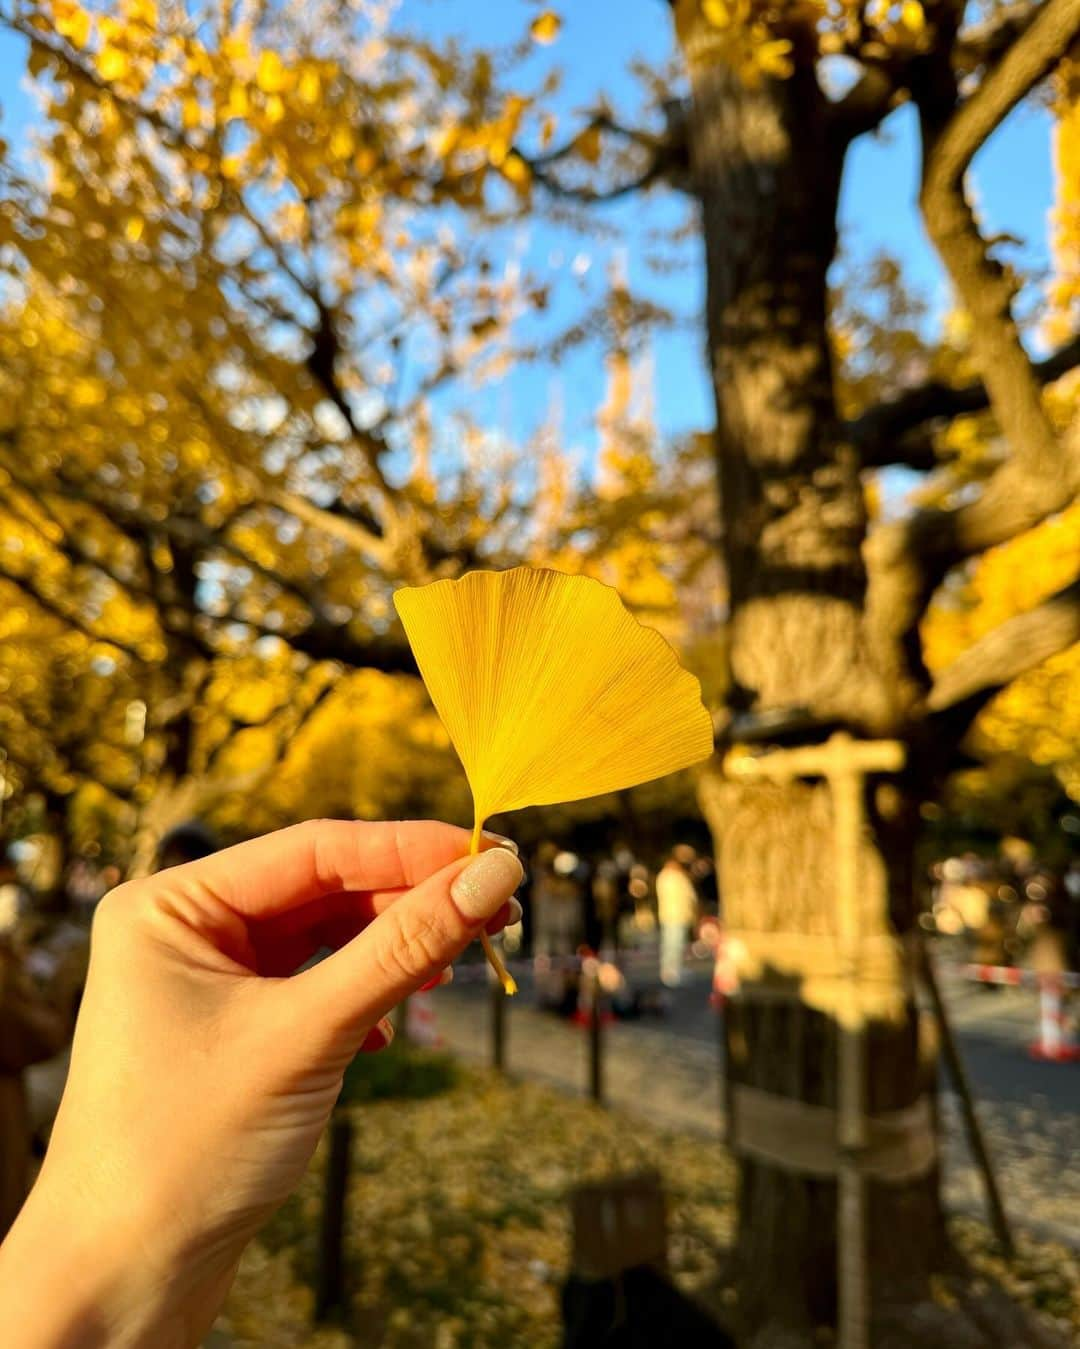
x: 486, y: 884
x: 501, y: 840
x: 378, y: 1037
x: 498, y: 924
x: 446, y: 977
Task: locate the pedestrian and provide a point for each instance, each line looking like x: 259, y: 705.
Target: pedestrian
x: 185, y: 843
x: 677, y: 905
x: 33, y: 1027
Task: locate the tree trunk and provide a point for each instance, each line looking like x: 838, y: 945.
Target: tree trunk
x: 768, y: 172
x: 777, y: 875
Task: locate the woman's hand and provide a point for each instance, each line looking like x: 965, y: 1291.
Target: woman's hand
x: 204, y: 1068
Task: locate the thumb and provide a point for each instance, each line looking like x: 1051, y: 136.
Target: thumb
x: 407, y: 944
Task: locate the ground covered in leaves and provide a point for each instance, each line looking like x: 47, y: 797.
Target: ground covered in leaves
x: 458, y: 1222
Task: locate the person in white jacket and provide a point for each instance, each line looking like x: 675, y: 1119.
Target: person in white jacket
x: 677, y: 902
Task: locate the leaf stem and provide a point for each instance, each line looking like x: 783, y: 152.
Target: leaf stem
x: 501, y: 972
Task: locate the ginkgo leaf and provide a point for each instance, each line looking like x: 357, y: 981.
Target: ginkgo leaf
x: 912, y: 16
x: 113, y: 64
x: 545, y: 27
x: 549, y: 689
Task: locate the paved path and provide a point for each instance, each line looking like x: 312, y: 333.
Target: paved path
x: 666, y: 1071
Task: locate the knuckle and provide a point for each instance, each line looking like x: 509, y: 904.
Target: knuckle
x: 117, y: 906
x: 118, y: 915
x: 414, y: 946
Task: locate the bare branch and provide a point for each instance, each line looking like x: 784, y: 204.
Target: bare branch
x: 900, y: 431
x: 668, y: 159
x: 866, y: 104
x: 984, y: 43
x: 597, y: 196
x: 1010, y: 650
x: 981, y: 283
x: 334, y: 524
x: 67, y: 614
x: 906, y: 561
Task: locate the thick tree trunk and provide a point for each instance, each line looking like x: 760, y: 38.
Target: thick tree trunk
x: 775, y: 844
x: 768, y: 175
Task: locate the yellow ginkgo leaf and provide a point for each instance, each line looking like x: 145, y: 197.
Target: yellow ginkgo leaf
x: 550, y: 689
x: 912, y: 16
x: 113, y: 64
x: 545, y: 27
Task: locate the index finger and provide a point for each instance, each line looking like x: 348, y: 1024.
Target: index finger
x: 306, y: 861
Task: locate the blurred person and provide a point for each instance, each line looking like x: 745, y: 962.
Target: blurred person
x: 186, y: 842
x: 643, y: 921
x: 12, y: 898
x: 677, y: 903
x: 53, y: 949
x: 33, y: 1027
x: 725, y: 975
x: 559, y: 927
x: 707, y: 883
x: 1048, y: 951
x: 207, y: 1060
x: 605, y: 897
x: 989, y: 947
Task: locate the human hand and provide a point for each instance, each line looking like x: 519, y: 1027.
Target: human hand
x: 204, y: 1068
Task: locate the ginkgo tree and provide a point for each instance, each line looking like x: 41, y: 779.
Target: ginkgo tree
x: 900, y: 625
x: 256, y: 241
x: 241, y: 261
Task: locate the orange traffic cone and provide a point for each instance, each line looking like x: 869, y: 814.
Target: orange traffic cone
x: 1055, y: 1041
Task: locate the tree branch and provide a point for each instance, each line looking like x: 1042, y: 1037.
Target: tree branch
x: 907, y: 560
x: 984, y: 43
x: 1010, y: 650
x: 866, y: 104
x: 668, y: 158
x: 981, y: 283
x: 68, y: 615
x: 899, y: 431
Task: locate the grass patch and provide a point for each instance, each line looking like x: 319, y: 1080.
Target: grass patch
x: 399, y: 1073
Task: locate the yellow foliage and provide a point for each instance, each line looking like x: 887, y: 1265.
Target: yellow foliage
x: 270, y: 73
x: 1038, y: 715
x: 72, y: 22
x: 113, y: 64
x: 588, y: 145
x: 309, y: 87
x: 912, y: 16
x: 1064, y: 318
x: 545, y: 28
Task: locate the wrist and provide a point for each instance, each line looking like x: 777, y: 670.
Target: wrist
x: 64, y: 1281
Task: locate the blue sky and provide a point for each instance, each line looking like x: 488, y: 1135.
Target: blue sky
x: 594, y: 50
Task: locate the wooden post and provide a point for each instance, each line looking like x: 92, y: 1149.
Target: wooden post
x: 596, y: 1035
x: 498, y: 1026
x: 330, y: 1276
x: 998, y: 1218
x: 844, y: 763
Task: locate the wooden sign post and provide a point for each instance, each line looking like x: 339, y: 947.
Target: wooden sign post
x: 844, y: 763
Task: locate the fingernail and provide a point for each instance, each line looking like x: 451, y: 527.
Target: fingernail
x: 378, y: 1037
x: 486, y: 884
x: 501, y: 840
x: 445, y: 977
x: 513, y: 915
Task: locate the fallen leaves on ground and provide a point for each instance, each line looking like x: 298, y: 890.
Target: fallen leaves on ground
x: 459, y: 1234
